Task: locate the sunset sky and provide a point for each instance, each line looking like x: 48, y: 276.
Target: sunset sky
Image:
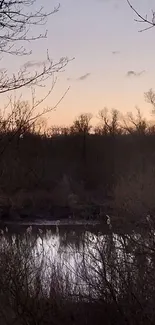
x: 104, y: 39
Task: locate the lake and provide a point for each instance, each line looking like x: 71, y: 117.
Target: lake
x: 89, y: 264
x: 85, y: 255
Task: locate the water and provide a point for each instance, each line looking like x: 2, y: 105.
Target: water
x: 84, y: 261
x: 87, y: 270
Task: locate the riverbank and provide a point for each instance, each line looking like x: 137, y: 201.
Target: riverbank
x: 40, y: 222
x: 12, y: 211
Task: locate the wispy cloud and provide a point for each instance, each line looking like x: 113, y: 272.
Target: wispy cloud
x: 81, y: 78
x: 84, y: 77
x: 132, y: 73
x: 32, y: 64
x: 115, y: 52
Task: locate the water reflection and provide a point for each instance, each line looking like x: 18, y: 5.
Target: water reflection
x: 88, y: 261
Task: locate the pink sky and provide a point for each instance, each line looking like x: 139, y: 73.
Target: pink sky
x: 90, y: 30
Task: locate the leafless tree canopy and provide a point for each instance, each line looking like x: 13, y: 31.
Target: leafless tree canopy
x: 150, y: 98
x: 82, y: 124
x: 17, y: 17
x: 109, y: 123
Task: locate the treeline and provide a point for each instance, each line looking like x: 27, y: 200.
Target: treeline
x: 110, y: 123
x: 111, y: 163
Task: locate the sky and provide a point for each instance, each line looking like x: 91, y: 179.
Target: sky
x: 114, y: 62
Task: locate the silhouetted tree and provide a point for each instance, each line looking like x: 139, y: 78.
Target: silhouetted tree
x: 104, y: 121
x: 114, y: 125
x: 82, y: 124
x: 136, y: 124
x: 82, y: 127
x: 109, y: 124
x: 150, y: 98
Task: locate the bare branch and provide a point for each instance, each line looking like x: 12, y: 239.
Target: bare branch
x: 150, y: 98
x: 15, y: 23
x: 25, y: 78
x: 142, y: 19
x: 23, y: 118
x: 16, y: 20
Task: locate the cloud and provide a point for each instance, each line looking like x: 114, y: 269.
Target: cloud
x: 115, y: 52
x: 32, y: 64
x: 132, y: 73
x: 81, y: 78
x: 84, y: 77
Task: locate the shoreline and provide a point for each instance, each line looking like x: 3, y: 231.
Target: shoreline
x: 50, y: 222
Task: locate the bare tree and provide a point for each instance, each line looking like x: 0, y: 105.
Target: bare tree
x: 17, y: 17
x: 109, y: 124
x: 104, y: 121
x: 150, y: 98
x: 135, y: 124
x: 143, y: 19
x: 82, y: 124
x: 23, y: 117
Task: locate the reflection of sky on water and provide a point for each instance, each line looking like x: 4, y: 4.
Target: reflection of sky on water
x: 84, y: 262
x: 92, y: 253
x: 49, y: 247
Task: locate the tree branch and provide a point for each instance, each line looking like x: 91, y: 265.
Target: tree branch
x: 142, y: 19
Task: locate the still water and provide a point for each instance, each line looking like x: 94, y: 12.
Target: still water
x: 79, y: 260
